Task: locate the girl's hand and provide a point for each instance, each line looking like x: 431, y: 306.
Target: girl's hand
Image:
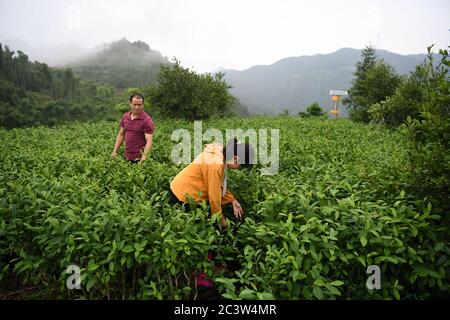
x: 223, y: 221
x: 237, y: 209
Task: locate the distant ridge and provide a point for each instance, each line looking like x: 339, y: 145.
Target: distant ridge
x: 296, y: 82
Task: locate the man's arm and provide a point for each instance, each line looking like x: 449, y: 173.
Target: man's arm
x: 148, y: 146
x: 119, y: 141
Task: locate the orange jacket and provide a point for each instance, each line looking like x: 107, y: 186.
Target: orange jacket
x: 203, y: 179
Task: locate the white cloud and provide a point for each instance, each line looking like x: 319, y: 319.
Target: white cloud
x: 237, y: 34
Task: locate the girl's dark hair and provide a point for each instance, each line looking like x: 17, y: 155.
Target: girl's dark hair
x: 244, y: 151
x: 138, y: 95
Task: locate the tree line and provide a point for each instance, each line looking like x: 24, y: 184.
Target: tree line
x: 32, y: 93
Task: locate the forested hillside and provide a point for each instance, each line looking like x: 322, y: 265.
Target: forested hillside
x: 32, y: 93
x: 121, y: 64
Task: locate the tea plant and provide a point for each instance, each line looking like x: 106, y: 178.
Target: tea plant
x: 336, y: 206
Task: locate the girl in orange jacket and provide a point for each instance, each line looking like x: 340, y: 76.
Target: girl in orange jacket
x: 206, y: 179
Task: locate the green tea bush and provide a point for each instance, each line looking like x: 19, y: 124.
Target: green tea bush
x: 336, y: 206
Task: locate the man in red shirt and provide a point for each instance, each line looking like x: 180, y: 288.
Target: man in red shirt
x: 137, y: 128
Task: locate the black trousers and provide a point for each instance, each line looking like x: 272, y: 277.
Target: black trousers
x: 173, y: 198
x: 227, y: 209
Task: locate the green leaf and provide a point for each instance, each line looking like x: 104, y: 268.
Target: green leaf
x: 363, y: 240
x: 89, y: 285
x: 318, y: 293
x: 92, y: 267
x: 127, y: 249
x: 187, y: 289
x: 337, y: 283
x: 319, y: 282
x: 247, y: 294
x: 396, y: 294
x: 333, y: 290
x: 386, y: 258
x: 96, y: 237
x: 265, y: 296
x: 229, y: 295
x: 439, y: 246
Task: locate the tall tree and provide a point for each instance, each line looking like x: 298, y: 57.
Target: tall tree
x: 353, y: 101
x: 1, y: 60
x: 9, y: 65
x: 380, y: 82
x: 375, y: 81
x: 22, y: 69
x: 183, y: 93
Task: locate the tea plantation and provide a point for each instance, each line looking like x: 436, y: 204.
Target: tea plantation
x: 337, y: 205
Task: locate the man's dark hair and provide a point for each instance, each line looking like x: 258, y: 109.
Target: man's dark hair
x: 139, y: 95
x: 244, y: 151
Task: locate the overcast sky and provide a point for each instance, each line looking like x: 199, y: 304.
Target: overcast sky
x: 233, y: 34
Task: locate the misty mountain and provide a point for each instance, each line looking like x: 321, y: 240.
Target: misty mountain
x: 122, y: 64
x: 54, y: 56
x: 297, y: 82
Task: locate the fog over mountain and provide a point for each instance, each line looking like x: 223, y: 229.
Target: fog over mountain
x: 122, y: 64
x: 54, y: 56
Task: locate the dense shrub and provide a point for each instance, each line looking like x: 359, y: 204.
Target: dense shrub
x: 338, y: 204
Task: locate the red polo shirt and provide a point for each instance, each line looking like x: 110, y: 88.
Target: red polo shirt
x: 134, y: 133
